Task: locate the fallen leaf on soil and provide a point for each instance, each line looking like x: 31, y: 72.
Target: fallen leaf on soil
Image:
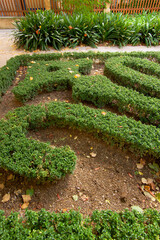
x: 140, y: 173
x: 75, y: 197
x: 1, y: 186
x: 17, y: 192
x: 153, y: 187
x: 93, y: 154
x: 147, y: 194
x: 142, y: 161
x: 58, y: 196
x: 6, y: 197
x: 84, y: 198
x: 139, y: 165
x: 64, y: 210
x: 137, y: 208
x: 144, y: 180
x: 24, y: 205
x: 130, y: 175
x: 26, y: 198
x: 107, y: 201
x: 97, y: 168
x: 147, y: 188
x: 10, y: 177
x: 75, y: 137
x: 157, y: 195
x: 49, y: 98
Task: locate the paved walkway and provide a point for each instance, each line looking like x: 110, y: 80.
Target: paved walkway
x: 8, y: 49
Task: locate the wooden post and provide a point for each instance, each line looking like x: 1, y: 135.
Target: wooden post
x: 47, y: 4
x: 107, y: 8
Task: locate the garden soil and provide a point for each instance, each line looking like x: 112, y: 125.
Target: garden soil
x: 105, y: 177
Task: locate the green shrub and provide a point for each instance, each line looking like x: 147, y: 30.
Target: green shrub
x: 73, y: 225
x: 45, y: 29
x: 60, y: 75
x: 115, y: 129
x: 29, y: 157
x: 120, y: 70
x: 47, y: 76
x: 101, y: 91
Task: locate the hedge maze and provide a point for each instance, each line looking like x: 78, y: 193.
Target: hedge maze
x: 39, y: 160
x: 131, y: 83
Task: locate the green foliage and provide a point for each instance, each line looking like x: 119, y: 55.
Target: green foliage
x: 73, y: 225
x: 45, y: 28
x: 29, y: 157
x: 82, y: 6
x: 47, y: 76
x: 101, y: 91
x: 120, y: 130
x: 120, y: 70
x: 60, y: 75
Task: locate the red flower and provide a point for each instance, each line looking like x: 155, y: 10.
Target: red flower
x: 37, y: 32
x: 85, y: 35
x: 70, y: 27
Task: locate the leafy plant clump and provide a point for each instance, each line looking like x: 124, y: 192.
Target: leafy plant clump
x: 45, y: 29
x: 73, y: 225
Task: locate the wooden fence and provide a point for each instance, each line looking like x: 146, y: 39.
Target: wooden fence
x: 134, y: 6
x: 21, y: 7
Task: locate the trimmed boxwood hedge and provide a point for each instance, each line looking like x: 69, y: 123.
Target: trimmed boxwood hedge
x: 120, y: 70
x: 106, y: 224
x: 8, y: 72
x: 31, y: 158
x: 101, y: 91
x: 47, y: 76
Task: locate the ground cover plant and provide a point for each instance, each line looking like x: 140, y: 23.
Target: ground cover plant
x: 28, y: 157
x: 45, y: 29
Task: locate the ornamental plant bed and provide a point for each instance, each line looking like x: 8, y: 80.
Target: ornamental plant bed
x: 106, y: 174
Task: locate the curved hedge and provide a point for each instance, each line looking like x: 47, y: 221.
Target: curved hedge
x: 8, y: 72
x: 120, y: 70
x: 120, y: 130
x: 28, y: 157
x: 106, y: 224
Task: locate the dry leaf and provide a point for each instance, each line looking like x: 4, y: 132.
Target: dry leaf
x: 97, y: 168
x: 75, y: 197
x: 144, y: 180
x: 1, y: 186
x: 18, y: 192
x: 147, y: 188
x: 139, y: 165
x: 25, y: 205
x: 26, y: 198
x: 10, y: 177
x: 93, y: 154
x: 142, y: 161
x: 6, y: 197
x: 84, y: 198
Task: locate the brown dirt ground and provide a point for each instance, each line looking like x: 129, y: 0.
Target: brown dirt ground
x: 110, y: 180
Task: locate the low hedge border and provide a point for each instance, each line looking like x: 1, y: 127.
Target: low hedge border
x: 8, y: 72
x: 73, y: 225
x: 120, y: 70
